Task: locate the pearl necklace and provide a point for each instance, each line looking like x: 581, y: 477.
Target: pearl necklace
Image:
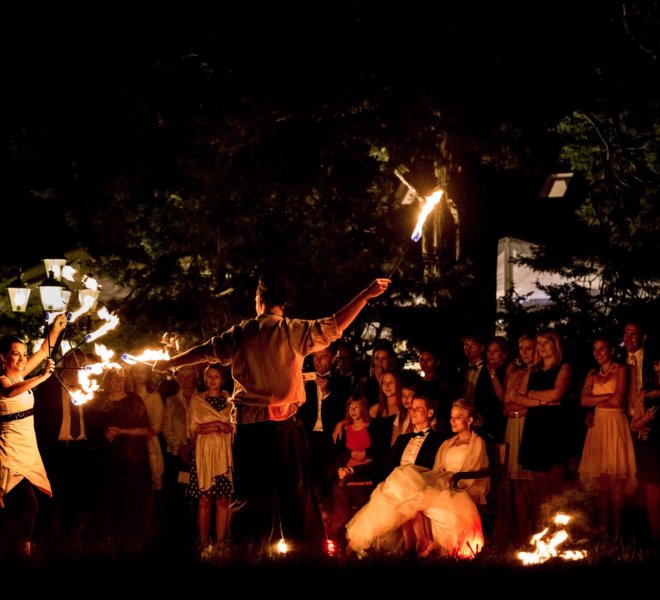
x: 608, y: 371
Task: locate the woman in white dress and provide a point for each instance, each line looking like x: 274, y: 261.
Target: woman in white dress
x: 520, y: 479
x: 21, y: 467
x: 608, y: 458
x: 409, y: 490
x: 211, y: 478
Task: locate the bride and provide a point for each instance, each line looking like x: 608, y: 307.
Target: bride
x: 411, y: 493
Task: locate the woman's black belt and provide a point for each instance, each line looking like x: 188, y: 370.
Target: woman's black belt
x: 21, y: 414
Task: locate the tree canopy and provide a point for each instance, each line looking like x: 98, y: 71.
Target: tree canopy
x: 184, y: 162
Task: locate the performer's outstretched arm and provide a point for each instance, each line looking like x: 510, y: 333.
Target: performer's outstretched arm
x: 347, y: 315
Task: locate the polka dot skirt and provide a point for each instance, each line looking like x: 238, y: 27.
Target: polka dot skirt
x: 221, y: 487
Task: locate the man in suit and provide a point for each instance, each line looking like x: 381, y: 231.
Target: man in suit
x: 418, y: 447
x: 640, y: 370
x: 324, y: 407
x: 63, y: 434
x: 347, y: 371
x: 435, y: 385
x: 478, y: 388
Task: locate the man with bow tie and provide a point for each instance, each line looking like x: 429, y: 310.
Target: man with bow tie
x: 418, y: 447
x: 324, y: 407
x: 479, y: 380
x: 66, y: 436
x: 473, y: 348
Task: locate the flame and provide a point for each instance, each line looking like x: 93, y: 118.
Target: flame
x: 281, y: 546
x: 547, y: 547
x: 105, y: 353
x: 90, y: 283
x: 88, y: 385
x: 87, y: 303
x: 68, y: 272
x: 147, y: 357
x: 111, y: 322
x: 431, y: 201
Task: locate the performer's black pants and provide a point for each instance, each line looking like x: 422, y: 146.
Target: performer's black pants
x: 274, y: 492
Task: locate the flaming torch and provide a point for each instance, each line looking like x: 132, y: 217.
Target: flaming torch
x: 111, y: 321
x: 88, y: 385
x: 148, y: 357
x: 429, y: 204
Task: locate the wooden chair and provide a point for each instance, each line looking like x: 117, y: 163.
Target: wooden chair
x: 493, y: 513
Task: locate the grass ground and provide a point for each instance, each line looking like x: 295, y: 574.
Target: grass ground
x: 606, y: 568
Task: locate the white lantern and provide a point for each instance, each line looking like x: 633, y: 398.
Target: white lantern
x: 54, y: 267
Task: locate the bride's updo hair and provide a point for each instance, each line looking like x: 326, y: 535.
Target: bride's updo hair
x: 466, y: 405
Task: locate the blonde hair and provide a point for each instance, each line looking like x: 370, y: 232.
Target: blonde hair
x: 553, y: 336
x: 469, y: 407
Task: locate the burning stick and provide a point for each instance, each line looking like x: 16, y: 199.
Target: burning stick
x: 111, y: 321
x: 88, y: 385
x: 129, y: 359
x: 429, y: 205
x: 148, y: 357
x: 87, y: 303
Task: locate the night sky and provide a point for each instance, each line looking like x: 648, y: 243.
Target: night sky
x: 68, y: 72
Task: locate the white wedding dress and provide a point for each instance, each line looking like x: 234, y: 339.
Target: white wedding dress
x: 454, y: 518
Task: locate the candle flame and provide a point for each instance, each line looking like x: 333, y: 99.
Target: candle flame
x: 430, y: 203
x: 281, y: 546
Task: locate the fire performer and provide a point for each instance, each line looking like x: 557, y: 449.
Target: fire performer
x: 273, y: 486
x: 21, y: 467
